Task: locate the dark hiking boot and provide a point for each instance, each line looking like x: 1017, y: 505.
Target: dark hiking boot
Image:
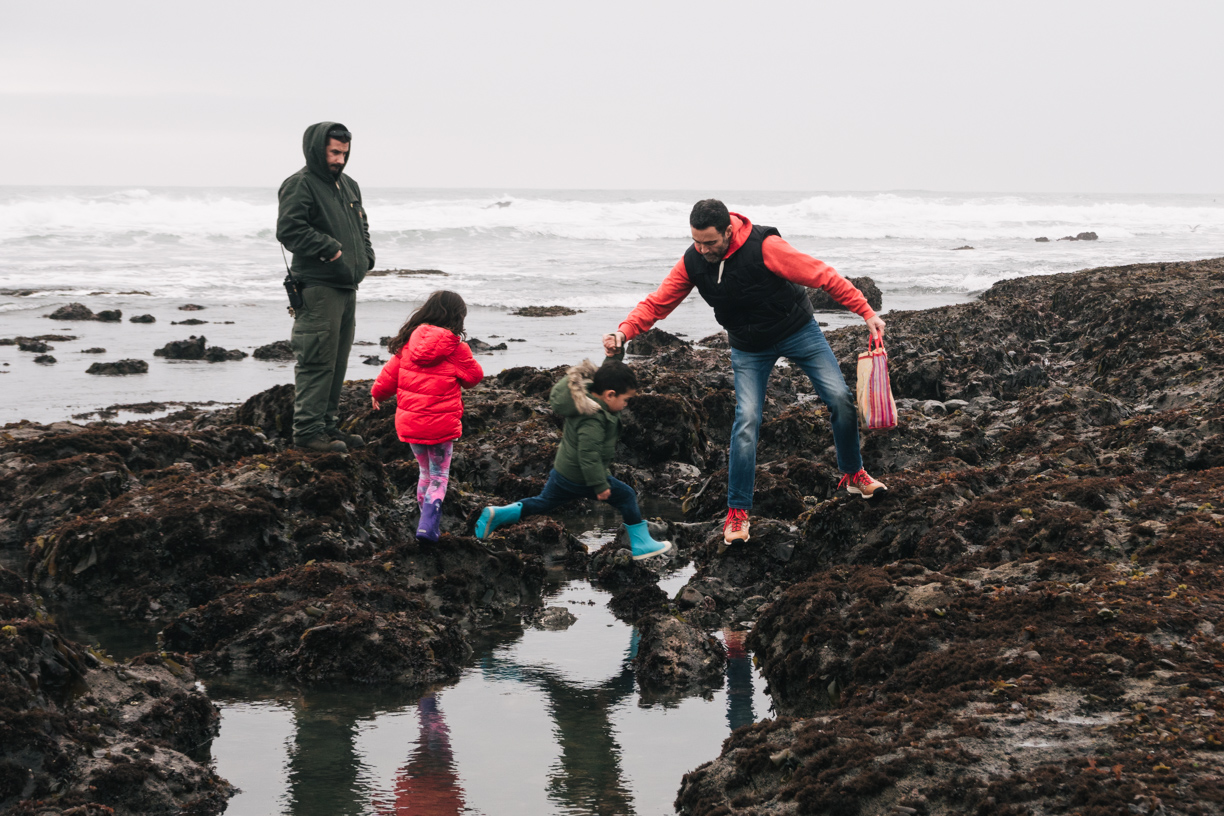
x: 321, y: 444
x: 350, y: 440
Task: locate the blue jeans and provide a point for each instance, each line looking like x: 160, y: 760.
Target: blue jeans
x: 808, y: 349
x: 559, y: 490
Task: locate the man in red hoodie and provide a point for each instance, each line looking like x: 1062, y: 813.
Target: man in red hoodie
x: 755, y: 282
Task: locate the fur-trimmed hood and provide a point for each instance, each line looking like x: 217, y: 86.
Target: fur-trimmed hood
x: 575, y: 399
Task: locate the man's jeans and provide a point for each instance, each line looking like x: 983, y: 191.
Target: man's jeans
x: 559, y: 490
x: 808, y: 349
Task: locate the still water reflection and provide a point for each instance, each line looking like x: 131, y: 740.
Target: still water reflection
x: 541, y: 722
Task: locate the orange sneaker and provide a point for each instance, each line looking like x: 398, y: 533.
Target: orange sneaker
x: 861, y: 484
x: 735, y: 528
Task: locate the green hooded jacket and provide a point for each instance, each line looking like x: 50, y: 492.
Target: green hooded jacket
x: 321, y: 213
x: 588, y: 442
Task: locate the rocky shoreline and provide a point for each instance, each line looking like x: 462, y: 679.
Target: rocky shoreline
x: 1025, y: 624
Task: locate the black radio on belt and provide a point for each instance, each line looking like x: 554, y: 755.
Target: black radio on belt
x: 294, y: 292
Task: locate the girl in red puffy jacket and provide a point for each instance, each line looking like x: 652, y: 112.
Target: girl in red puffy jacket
x: 428, y: 366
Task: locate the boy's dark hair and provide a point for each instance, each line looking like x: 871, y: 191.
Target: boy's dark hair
x: 613, y: 375
x: 710, y: 212
x: 340, y: 133
x: 443, y: 308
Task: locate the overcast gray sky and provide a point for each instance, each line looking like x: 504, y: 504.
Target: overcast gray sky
x: 1069, y: 96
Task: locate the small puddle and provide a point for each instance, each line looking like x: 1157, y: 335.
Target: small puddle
x: 540, y: 722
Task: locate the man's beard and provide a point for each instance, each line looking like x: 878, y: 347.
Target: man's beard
x: 335, y: 170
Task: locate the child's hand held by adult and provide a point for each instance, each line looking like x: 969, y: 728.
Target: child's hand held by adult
x: 612, y: 342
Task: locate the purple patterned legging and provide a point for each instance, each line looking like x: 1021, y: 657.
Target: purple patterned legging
x: 435, y: 461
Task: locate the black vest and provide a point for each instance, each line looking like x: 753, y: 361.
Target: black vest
x: 756, y: 307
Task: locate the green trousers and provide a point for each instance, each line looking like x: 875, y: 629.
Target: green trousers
x: 322, y: 339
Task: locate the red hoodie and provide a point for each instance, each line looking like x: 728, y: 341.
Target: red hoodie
x: 425, y: 378
x: 780, y: 258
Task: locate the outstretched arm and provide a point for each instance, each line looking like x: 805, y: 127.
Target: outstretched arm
x: 656, y: 306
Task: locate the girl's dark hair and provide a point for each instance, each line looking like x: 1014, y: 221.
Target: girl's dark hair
x: 443, y: 308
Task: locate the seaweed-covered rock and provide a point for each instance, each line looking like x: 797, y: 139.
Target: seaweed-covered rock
x: 653, y: 341
x: 119, y: 368
x: 822, y: 301
x: 279, y: 351
x: 109, y: 316
x: 675, y: 657
x: 73, y: 311
x: 144, y: 318
x: 216, y: 354
x: 82, y: 734
x: 190, y: 349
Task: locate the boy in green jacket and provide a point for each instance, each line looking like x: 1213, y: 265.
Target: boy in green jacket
x: 589, y: 398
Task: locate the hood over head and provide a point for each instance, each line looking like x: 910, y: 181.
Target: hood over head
x: 575, y: 398
x: 314, y: 146
x: 430, y: 345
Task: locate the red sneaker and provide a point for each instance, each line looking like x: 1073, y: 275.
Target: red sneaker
x: 861, y: 484
x: 735, y: 528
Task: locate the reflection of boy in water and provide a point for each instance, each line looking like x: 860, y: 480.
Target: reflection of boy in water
x: 428, y: 784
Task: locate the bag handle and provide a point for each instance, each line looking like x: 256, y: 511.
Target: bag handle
x: 873, y: 342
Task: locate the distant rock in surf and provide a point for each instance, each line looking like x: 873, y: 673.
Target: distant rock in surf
x: 144, y: 318
x: 280, y: 350
x: 119, y: 368
x: 545, y: 311
x: 822, y: 301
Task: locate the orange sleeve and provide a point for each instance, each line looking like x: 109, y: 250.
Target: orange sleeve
x: 659, y: 303
x: 787, y: 262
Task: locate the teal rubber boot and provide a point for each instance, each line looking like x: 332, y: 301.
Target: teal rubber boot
x: 493, y: 517
x: 643, y: 545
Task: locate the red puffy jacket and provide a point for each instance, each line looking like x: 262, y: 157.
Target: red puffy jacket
x: 425, y: 378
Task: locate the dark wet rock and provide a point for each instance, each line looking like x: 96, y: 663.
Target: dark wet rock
x: 554, y: 618
x: 191, y: 307
x: 85, y: 735
x: 715, y: 341
x: 190, y: 349
x: 144, y: 318
x: 73, y: 311
x: 1042, y: 240
x: 478, y: 345
x: 280, y: 350
x: 399, y: 617
x: 45, y: 359
x: 966, y: 246
x: 652, y: 342
x: 1083, y: 236
x: 191, y: 321
x: 822, y: 301
x: 93, y: 350
x: 271, y: 411
x: 109, y: 316
x: 545, y: 311
x: 119, y: 368
x: 372, y: 360
x: 32, y: 345
x: 675, y: 657
x: 186, y: 536
x: 216, y: 354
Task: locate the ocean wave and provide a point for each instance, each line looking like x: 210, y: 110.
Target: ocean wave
x: 198, y: 216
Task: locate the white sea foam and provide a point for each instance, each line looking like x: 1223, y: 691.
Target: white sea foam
x: 580, y: 249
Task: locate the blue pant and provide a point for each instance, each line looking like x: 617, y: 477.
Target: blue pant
x: 808, y: 349
x: 559, y: 490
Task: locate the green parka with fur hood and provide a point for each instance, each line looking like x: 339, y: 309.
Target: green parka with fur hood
x: 321, y: 213
x: 588, y: 442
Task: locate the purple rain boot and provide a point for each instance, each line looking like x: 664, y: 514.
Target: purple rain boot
x: 431, y: 520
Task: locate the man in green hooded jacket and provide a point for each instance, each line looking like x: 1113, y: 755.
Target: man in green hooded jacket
x: 322, y: 221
